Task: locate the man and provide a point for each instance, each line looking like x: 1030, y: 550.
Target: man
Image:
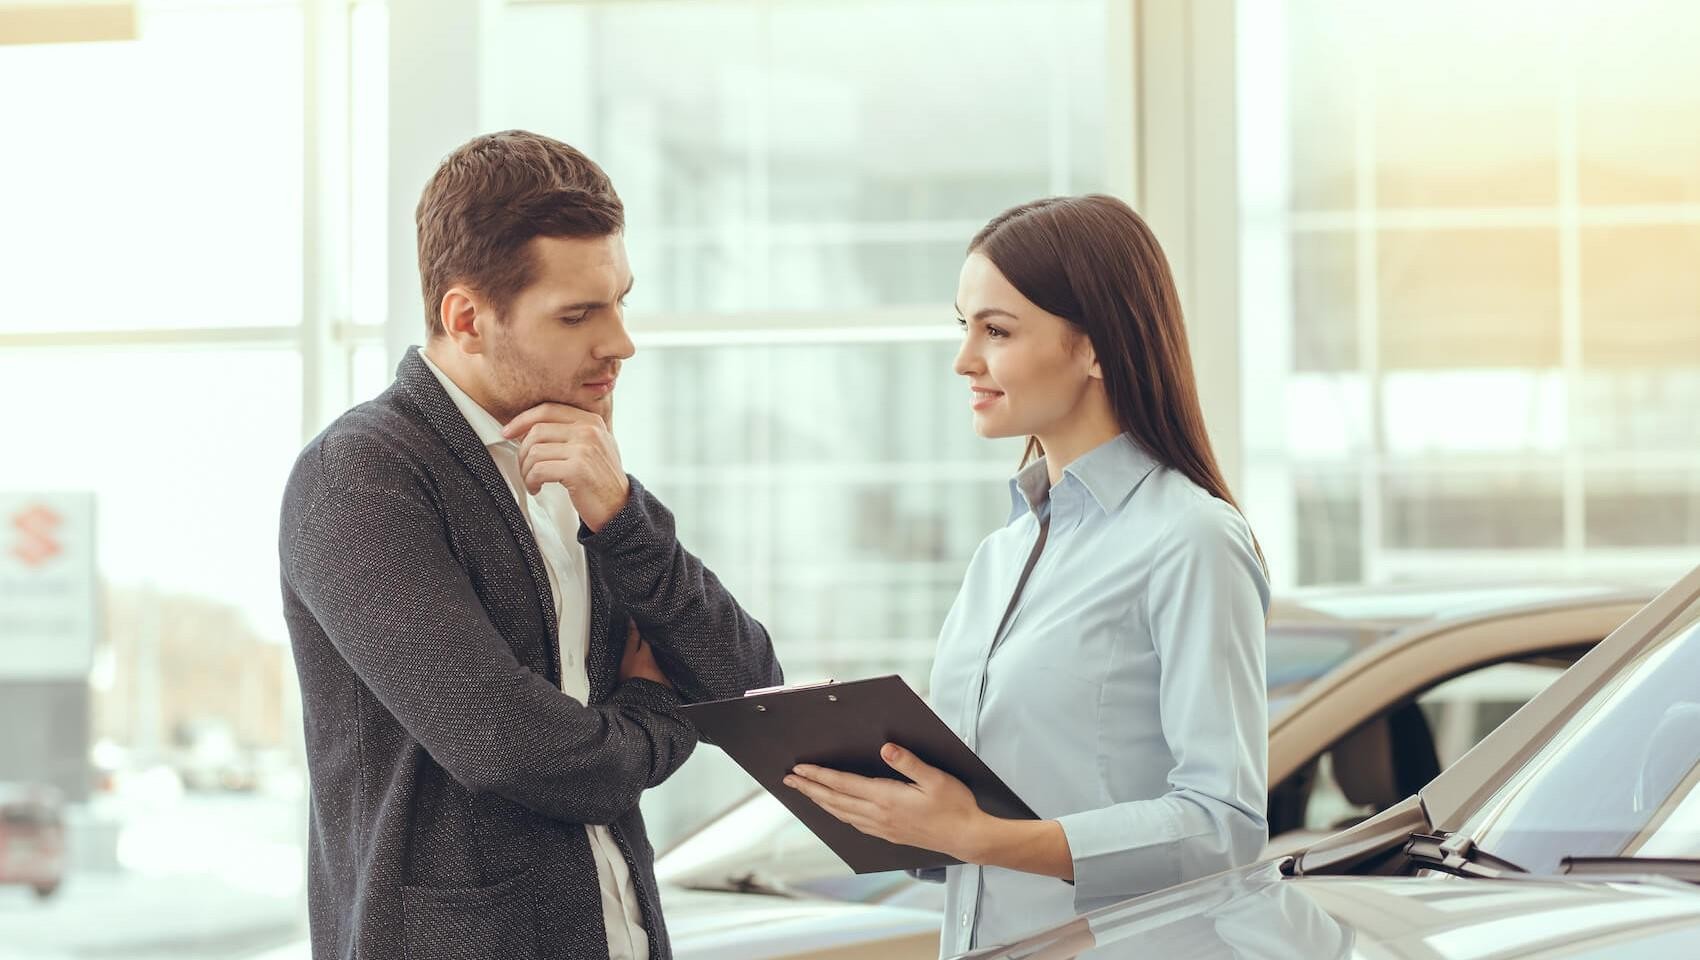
x: 493, y: 624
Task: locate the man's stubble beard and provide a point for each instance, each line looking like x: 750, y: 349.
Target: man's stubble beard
x: 520, y: 384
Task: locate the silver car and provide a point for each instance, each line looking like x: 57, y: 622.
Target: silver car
x: 1573, y: 830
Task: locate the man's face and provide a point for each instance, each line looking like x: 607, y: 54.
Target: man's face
x: 562, y: 340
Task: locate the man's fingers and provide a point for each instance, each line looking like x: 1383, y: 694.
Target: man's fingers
x: 554, y: 432
x: 543, y: 453
x: 550, y: 471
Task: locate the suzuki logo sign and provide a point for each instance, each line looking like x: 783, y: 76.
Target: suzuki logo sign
x: 36, y: 527
x: 48, y: 598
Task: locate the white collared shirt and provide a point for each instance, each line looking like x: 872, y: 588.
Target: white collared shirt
x: 554, y: 523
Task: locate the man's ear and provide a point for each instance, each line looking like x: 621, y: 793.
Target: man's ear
x: 459, y: 313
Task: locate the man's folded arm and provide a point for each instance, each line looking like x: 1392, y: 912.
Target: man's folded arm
x: 374, y: 567
x: 704, y: 641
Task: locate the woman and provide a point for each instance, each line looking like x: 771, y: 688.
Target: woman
x: 1105, y: 654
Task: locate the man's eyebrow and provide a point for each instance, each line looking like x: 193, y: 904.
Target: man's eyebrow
x: 583, y: 305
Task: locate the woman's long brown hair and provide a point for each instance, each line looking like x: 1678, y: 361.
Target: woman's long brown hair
x: 1092, y: 261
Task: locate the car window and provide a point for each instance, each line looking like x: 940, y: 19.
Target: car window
x: 1463, y: 710
x: 1394, y: 755
x: 1621, y: 778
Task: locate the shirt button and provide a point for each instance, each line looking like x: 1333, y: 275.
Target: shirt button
x: 965, y: 919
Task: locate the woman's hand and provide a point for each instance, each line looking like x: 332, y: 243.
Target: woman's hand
x: 935, y: 811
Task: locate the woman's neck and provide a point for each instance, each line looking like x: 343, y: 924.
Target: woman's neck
x: 1089, y: 427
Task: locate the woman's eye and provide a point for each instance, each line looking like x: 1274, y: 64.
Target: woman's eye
x: 963, y: 324
x: 996, y: 333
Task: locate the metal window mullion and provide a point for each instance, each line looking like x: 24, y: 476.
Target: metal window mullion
x: 1370, y: 478
x: 1570, y: 296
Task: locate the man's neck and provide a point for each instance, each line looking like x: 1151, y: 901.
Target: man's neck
x: 456, y: 367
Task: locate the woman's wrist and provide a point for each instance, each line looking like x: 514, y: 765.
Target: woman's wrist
x: 1031, y: 846
x: 981, y: 838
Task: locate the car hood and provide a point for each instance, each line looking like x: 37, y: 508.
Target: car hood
x: 709, y: 925
x: 1259, y: 914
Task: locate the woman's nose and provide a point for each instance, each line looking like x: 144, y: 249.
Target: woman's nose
x: 967, y: 361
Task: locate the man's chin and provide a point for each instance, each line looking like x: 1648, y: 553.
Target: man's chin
x: 601, y: 406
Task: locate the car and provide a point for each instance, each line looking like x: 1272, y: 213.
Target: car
x: 1572, y: 829
x: 1387, y: 684
x: 32, y: 838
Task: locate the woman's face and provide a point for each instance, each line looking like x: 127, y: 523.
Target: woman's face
x: 1028, y: 370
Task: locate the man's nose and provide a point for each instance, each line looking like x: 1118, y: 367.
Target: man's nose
x: 619, y: 345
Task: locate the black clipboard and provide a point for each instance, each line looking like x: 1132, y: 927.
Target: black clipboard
x: 843, y: 726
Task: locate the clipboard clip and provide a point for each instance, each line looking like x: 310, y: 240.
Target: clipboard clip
x: 787, y: 689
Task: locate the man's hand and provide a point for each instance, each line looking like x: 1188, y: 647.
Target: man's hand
x: 639, y: 660
x: 569, y: 446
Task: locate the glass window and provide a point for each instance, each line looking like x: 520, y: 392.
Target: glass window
x: 1468, y: 298
x: 139, y: 195
x: 1486, y: 217
x: 1637, y: 90
x: 1485, y: 510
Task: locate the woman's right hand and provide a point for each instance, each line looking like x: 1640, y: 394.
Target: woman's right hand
x: 639, y: 660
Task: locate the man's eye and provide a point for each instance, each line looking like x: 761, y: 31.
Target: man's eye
x: 575, y: 320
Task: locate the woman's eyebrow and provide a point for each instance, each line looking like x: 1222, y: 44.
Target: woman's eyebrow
x: 988, y: 312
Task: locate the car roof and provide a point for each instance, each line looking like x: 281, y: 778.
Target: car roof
x: 1392, y: 605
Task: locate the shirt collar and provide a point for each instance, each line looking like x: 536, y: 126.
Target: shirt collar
x: 488, y: 429
x: 1109, y: 472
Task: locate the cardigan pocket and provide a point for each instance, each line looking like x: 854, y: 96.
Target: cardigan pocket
x: 497, y: 922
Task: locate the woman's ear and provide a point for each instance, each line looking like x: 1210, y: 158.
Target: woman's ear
x: 1084, y: 343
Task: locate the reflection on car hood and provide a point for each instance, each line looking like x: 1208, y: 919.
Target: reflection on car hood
x: 1257, y: 914
x: 730, y: 926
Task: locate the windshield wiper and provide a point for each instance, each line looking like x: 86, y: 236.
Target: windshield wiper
x: 1459, y: 856
x: 1676, y: 869
x: 750, y: 882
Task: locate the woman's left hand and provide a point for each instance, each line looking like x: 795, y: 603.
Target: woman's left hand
x: 935, y: 811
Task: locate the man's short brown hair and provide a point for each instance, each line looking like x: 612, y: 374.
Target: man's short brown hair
x: 488, y: 200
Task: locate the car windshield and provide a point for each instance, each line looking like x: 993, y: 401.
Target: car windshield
x: 1621, y: 778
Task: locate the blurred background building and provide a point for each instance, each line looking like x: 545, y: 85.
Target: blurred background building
x: 1441, y: 265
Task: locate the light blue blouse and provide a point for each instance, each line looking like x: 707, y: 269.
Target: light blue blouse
x: 1125, y: 695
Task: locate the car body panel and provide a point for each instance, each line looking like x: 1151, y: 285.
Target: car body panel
x: 1259, y: 913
